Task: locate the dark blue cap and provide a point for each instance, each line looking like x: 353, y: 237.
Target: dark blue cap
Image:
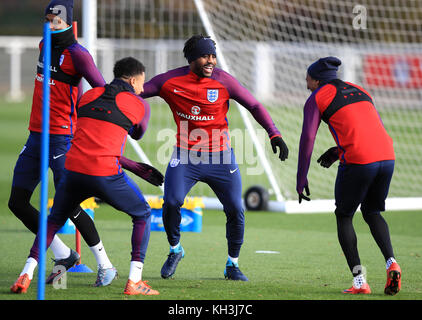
x: 61, y: 8
x: 325, y: 69
x: 203, y: 46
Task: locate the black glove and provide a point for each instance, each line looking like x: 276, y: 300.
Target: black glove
x: 302, y: 196
x: 279, y: 142
x: 328, y: 157
x: 150, y: 174
x: 143, y: 170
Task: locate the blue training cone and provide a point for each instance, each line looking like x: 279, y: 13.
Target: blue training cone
x: 81, y: 268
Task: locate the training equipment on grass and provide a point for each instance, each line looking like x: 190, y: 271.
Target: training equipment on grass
x: 69, y: 228
x: 45, y: 142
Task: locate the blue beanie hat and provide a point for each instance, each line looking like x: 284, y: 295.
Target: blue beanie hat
x: 61, y: 8
x: 203, y: 46
x: 325, y: 69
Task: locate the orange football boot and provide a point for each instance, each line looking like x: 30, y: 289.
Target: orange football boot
x: 393, y: 284
x: 140, y: 287
x: 21, y: 285
x: 364, y: 289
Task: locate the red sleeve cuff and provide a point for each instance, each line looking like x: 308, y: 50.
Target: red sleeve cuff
x: 277, y: 135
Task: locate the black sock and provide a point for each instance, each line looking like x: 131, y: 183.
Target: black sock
x: 86, y: 226
x: 19, y: 204
x: 380, y: 232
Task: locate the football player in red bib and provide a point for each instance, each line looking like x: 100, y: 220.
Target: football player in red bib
x: 366, y: 155
x: 198, y: 96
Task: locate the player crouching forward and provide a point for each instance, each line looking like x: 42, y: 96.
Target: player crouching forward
x: 366, y: 155
x: 198, y: 95
x: 92, y: 168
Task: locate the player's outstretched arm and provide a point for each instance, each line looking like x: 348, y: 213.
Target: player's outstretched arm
x: 247, y: 100
x: 85, y: 66
x: 311, y: 122
x: 143, y: 170
x: 258, y: 111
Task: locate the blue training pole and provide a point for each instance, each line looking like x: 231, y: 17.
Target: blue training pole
x: 45, y: 142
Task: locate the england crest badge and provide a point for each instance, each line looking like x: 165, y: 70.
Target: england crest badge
x: 174, y: 162
x: 212, y: 95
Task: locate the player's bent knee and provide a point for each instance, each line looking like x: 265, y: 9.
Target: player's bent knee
x: 372, y: 208
x: 15, y: 207
x: 19, y: 201
x: 140, y: 213
x: 147, y: 214
x: 342, y: 213
x: 368, y: 215
x: 235, y: 211
x: 172, y: 203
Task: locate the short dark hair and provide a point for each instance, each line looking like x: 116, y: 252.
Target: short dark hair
x: 128, y: 67
x: 190, y: 44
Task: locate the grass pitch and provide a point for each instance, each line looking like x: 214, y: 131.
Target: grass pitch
x: 308, y: 263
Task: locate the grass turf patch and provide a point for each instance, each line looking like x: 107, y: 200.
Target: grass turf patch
x: 308, y: 265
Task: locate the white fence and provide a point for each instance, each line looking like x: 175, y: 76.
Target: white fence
x: 157, y: 55
x: 18, y: 55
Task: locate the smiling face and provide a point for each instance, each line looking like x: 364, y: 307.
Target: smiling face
x: 204, y: 65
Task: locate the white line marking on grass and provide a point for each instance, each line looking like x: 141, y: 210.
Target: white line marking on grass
x: 263, y: 251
